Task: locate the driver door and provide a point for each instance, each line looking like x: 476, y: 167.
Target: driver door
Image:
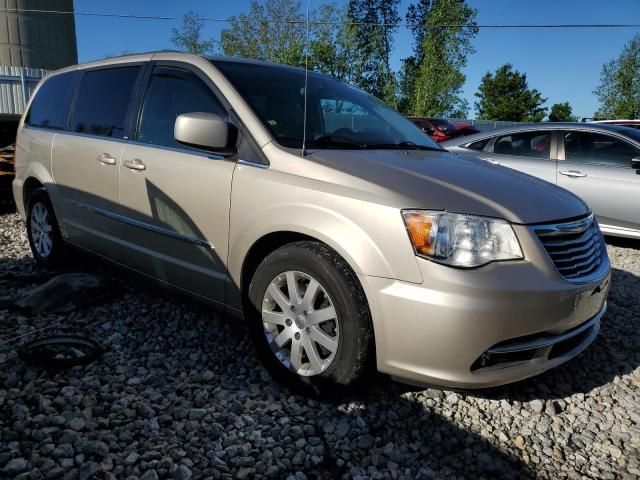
x: 175, y: 199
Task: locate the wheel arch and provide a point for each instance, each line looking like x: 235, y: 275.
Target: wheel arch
x: 30, y: 185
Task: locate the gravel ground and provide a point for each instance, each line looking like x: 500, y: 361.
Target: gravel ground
x: 179, y: 394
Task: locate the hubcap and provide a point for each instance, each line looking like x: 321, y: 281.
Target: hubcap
x: 41, y: 230
x: 300, y: 323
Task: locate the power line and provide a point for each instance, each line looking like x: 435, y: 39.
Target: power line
x: 303, y: 21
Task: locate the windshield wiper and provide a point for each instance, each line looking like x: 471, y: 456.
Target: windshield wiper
x: 337, y: 141
x: 406, y: 145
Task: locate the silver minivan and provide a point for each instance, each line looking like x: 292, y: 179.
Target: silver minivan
x: 346, y: 238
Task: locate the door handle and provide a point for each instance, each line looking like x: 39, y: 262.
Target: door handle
x: 106, y: 159
x: 572, y: 173
x: 135, y: 164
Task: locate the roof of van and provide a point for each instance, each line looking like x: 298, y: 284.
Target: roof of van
x: 168, y: 55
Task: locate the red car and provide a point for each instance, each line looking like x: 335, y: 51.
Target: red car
x: 441, y: 129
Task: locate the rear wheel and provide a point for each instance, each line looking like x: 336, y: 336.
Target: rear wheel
x: 43, y: 231
x: 309, y: 318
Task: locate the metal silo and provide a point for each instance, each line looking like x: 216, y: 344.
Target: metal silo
x: 33, y: 40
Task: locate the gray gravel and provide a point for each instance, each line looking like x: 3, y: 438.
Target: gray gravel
x: 179, y: 394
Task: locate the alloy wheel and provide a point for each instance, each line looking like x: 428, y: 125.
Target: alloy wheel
x: 41, y: 230
x: 300, y: 323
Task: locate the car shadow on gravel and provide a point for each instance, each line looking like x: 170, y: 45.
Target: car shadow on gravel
x: 179, y: 387
x: 623, y: 242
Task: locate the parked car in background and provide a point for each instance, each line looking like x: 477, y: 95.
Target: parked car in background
x: 441, y: 129
x: 599, y: 162
x: 350, y: 244
x: 625, y: 123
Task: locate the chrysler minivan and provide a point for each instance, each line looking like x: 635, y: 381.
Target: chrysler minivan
x: 346, y: 237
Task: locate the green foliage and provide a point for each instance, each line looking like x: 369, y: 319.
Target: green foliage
x: 189, y: 36
x: 274, y: 31
x: 561, y: 112
x: 373, y: 26
x: 332, y: 43
x: 619, y: 89
x: 505, y: 95
x: 432, y: 78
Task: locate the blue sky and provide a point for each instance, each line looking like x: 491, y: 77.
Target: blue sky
x: 563, y: 64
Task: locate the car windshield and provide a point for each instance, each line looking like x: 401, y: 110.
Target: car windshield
x: 338, y: 116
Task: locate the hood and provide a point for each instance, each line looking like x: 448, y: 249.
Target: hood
x: 456, y: 183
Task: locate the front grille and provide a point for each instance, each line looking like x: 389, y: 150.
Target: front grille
x: 575, y: 248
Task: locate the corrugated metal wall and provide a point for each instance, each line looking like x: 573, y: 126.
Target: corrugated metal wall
x: 37, y: 40
x: 32, y: 43
x: 16, y: 86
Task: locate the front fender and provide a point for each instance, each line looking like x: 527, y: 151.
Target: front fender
x: 370, y: 237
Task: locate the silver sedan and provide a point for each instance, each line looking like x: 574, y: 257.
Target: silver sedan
x: 599, y: 163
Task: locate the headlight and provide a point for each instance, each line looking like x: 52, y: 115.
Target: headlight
x: 461, y: 240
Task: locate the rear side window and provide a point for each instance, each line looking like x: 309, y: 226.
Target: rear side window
x: 598, y: 148
x: 172, y: 92
x: 535, y: 144
x: 103, y: 100
x: 50, y: 106
x: 479, y: 145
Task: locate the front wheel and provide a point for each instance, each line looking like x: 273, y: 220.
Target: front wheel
x: 309, y: 318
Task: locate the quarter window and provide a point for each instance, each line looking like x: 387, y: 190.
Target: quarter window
x: 525, y: 144
x: 591, y: 147
x: 50, y: 106
x: 172, y: 92
x: 479, y: 145
x: 103, y: 99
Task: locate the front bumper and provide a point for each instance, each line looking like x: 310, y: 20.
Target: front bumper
x: 482, y: 328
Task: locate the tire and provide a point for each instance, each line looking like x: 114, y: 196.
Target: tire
x: 41, y: 217
x: 341, y: 361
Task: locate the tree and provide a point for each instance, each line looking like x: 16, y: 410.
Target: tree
x: 374, y: 22
x: 274, y: 31
x: 505, y: 95
x: 188, y: 37
x: 332, y: 44
x: 561, y: 112
x: 432, y: 77
x: 619, y: 89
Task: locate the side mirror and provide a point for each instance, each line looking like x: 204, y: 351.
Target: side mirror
x: 635, y: 163
x: 204, y: 130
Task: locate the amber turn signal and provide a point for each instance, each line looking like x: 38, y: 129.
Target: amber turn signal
x: 421, y: 229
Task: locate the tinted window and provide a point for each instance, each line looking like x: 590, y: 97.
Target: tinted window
x: 103, y: 99
x: 598, y: 148
x: 172, y: 92
x: 526, y: 144
x: 479, y: 145
x: 50, y: 106
x: 338, y: 115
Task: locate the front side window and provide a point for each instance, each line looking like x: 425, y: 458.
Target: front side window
x: 338, y: 116
x: 598, y: 148
x: 172, y: 92
x: 524, y: 144
x: 50, y: 106
x: 103, y: 100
